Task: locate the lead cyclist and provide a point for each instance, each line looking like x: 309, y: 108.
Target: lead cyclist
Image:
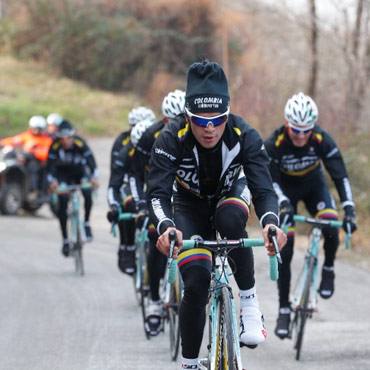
x: 214, y: 158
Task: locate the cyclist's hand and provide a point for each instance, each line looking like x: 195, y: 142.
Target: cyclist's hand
x: 113, y: 214
x: 286, y: 212
x: 281, y: 239
x: 140, y: 219
x: 349, y: 221
x: 142, y: 213
x: 163, y: 242
x: 53, y: 186
x: 94, y: 183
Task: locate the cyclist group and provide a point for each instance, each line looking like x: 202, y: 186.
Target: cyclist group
x: 196, y: 171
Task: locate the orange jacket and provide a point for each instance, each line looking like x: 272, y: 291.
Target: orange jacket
x: 37, y: 144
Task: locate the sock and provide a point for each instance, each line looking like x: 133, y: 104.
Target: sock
x: 248, y: 298
x: 328, y: 268
x: 189, y: 363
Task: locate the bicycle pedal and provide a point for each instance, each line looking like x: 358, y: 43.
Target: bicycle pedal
x: 250, y: 346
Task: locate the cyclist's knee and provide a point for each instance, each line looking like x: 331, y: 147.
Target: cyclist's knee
x: 230, y: 221
x: 196, y: 284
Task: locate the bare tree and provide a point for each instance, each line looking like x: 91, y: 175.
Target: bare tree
x: 312, y: 79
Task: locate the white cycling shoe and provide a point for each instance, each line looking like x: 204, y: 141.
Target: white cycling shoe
x: 252, y: 330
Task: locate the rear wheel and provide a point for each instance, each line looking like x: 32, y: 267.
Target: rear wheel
x: 11, y: 199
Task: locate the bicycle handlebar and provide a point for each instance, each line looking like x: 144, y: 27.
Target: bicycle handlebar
x: 224, y: 244
x: 122, y: 216
x: 320, y: 222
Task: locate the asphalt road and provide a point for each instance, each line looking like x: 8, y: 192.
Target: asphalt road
x: 50, y: 319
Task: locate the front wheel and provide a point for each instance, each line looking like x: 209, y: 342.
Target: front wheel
x: 77, y: 254
x: 303, y: 312
x: 225, y: 353
x: 173, y: 316
x: 11, y: 199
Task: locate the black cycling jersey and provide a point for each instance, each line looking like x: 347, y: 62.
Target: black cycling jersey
x: 121, y: 154
x: 175, y: 160
x: 140, y: 162
x: 296, y: 166
x: 78, y: 158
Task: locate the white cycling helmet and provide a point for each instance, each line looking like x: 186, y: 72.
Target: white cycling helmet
x: 54, y: 119
x: 301, y: 111
x: 140, y: 114
x: 37, y: 122
x: 173, y: 104
x: 138, y: 130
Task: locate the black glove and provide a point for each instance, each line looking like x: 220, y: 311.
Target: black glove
x: 286, y: 212
x: 349, y: 221
x: 142, y: 213
x: 113, y: 214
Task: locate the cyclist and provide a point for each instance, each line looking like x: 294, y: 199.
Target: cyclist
x: 214, y: 157
x: 118, y: 190
x: 35, y: 143
x: 296, y: 150
x: 172, y: 105
x: 53, y: 120
x: 71, y: 161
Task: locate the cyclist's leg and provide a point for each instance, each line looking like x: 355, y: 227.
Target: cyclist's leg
x: 230, y: 219
x: 80, y: 178
x: 192, y: 218
x: 126, y: 250
x: 156, y: 268
x: 321, y: 205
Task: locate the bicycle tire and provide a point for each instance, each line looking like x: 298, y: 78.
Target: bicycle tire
x: 225, y: 350
x: 144, y: 288
x: 139, y: 274
x: 303, y: 312
x: 77, y: 253
x: 173, y: 317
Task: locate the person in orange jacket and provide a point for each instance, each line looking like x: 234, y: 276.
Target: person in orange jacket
x: 35, y: 143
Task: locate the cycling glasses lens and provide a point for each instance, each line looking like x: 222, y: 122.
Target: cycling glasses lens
x: 297, y: 131
x: 205, y: 121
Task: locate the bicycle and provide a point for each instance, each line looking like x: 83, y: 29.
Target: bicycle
x: 171, y: 296
x: 223, y: 349
x: 141, y: 276
x: 77, y: 230
x: 304, y: 295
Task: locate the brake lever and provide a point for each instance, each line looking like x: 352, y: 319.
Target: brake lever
x: 272, y: 238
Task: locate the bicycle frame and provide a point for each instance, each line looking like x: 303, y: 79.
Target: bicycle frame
x: 312, y: 252
x: 223, y: 346
x: 76, y: 222
x: 307, y: 283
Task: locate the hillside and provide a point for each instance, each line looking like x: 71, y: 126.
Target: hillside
x: 29, y: 88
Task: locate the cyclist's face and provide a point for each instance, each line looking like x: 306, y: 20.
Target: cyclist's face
x: 52, y: 129
x: 298, y: 140
x: 36, y: 131
x: 66, y: 142
x: 209, y: 136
